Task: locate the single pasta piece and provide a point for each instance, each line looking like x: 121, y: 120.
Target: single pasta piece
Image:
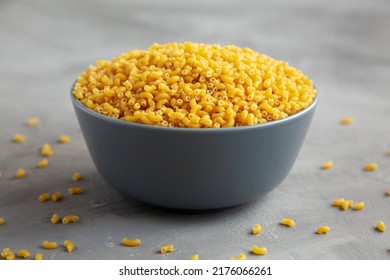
x: 131, y: 242
x: 240, y: 257
x: 64, y: 139
x: 388, y: 192
x: 43, y: 197
x: 338, y: 202
x: 70, y: 219
x: 5, y: 252
x: 32, y: 121
x: 10, y: 256
x: 75, y: 190
x: 166, y: 248
x: 47, y: 150
x: 388, y: 152
x: 259, y: 250
x: 23, y: 254
x: 359, y: 206
x: 287, y: 222
x: 195, y: 257
x: 381, y: 226
x: 76, y: 176
x: 55, y: 218
x: 56, y: 196
x: 2, y: 221
x: 38, y: 256
x: 327, y: 165
x: 322, y: 230
x: 371, y: 167
x: 256, y: 229
x: 20, y: 173
x: 69, y: 246
x: 49, y: 245
x: 19, y: 138
x: 346, y: 205
x: 43, y: 163
x: 346, y: 121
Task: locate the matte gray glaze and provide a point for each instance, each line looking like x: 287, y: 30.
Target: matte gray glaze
x: 193, y: 168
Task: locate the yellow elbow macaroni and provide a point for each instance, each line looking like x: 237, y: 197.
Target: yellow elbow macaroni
x: 287, y: 222
x: 195, y: 257
x: 64, y: 139
x: 75, y: 190
x: 47, y: 150
x: 240, y: 257
x: 70, y: 219
x: 19, y: 138
x: 327, y: 165
x: 176, y: 84
x: 76, y: 176
x: 359, y: 206
x: 346, y: 121
x: 371, y: 167
x: 49, y: 245
x: 166, y: 248
x: 20, y: 173
x: 131, y: 242
x: 381, y: 226
x: 338, y: 202
x: 23, y: 254
x: 388, y: 192
x: 55, y: 218
x: 38, y: 256
x: 43, y: 163
x: 256, y: 229
x: 2, y: 221
x: 56, y: 196
x: 69, y: 246
x: 43, y: 197
x: 32, y: 121
x: 322, y: 230
x: 5, y: 252
x: 259, y: 250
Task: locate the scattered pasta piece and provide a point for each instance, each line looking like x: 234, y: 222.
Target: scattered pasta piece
x: 338, y: 202
x: 346, y: 121
x: 75, y: 190
x: 38, y: 256
x: 23, y: 254
x: 56, y: 196
x: 70, y: 219
x: 346, y: 205
x: 55, y: 218
x: 19, y: 138
x: 195, y: 257
x: 131, y: 242
x: 32, y: 121
x: 10, y: 256
x: 2, y: 221
x: 322, y: 230
x: 20, y: 173
x: 327, y: 165
x: 49, y: 245
x: 64, y: 139
x: 43, y: 197
x: 69, y: 246
x: 256, y: 229
x: 388, y: 192
x: 388, y: 152
x: 259, y: 250
x: 359, y: 206
x: 5, y: 252
x: 76, y: 176
x: 371, y: 167
x: 47, y: 150
x: 287, y: 222
x: 166, y: 248
x: 43, y: 163
x: 381, y: 226
x: 239, y: 258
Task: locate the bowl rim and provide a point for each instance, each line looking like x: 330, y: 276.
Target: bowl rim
x: 77, y: 103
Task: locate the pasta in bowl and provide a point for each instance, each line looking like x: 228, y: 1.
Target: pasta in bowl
x: 193, y: 126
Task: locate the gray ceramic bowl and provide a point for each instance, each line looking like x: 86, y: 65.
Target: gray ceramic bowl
x: 193, y: 168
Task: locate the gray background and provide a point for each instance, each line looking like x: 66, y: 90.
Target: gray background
x: 343, y: 46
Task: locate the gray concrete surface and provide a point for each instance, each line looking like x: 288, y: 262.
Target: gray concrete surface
x: 342, y: 45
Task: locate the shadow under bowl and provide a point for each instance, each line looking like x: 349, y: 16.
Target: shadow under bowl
x: 193, y: 168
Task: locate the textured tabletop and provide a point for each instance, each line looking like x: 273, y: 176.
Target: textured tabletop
x: 343, y: 46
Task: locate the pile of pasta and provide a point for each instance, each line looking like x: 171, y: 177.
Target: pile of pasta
x: 193, y: 85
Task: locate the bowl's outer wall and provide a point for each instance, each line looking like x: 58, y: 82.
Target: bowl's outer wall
x: 192, y: 169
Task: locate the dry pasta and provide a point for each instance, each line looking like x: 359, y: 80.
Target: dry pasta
x: 55, y: 218
x: 346, y: 205
x: 47, y: 150
x: 327, y: 165
x: 166, y: 248
x: 69, y: 246
x: 359, y: 206
x: 43, y: 197
x: 56, y: 196
x: 19, y: 138
x: 131, y: 242
x: 2, y: 221
x: 388, y: 192
x: 194, y: 86
x: 75, y: 190
x: 195, y: 257
x: 23, y: 254
x: 38, y: 256
x: 381, y: 226
x: 259, y: 250
x: 256, y: 229
x: 240, y: 257
x: 49, y: 245
x: 32, y: 121
x: 371, y: 167
x: 10, y: 256
x: 43, y: 163
x: 20, y: 173
x: 346, y: 121
x: 70, y: 219
x: 64, y: 139
x: 76, y: 176
x: 322, y: 230
x: 4, y: 253
x: 338, y: 202
x: 287, y: 222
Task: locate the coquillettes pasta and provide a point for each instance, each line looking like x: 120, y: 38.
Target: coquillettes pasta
x: 194, y: 85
